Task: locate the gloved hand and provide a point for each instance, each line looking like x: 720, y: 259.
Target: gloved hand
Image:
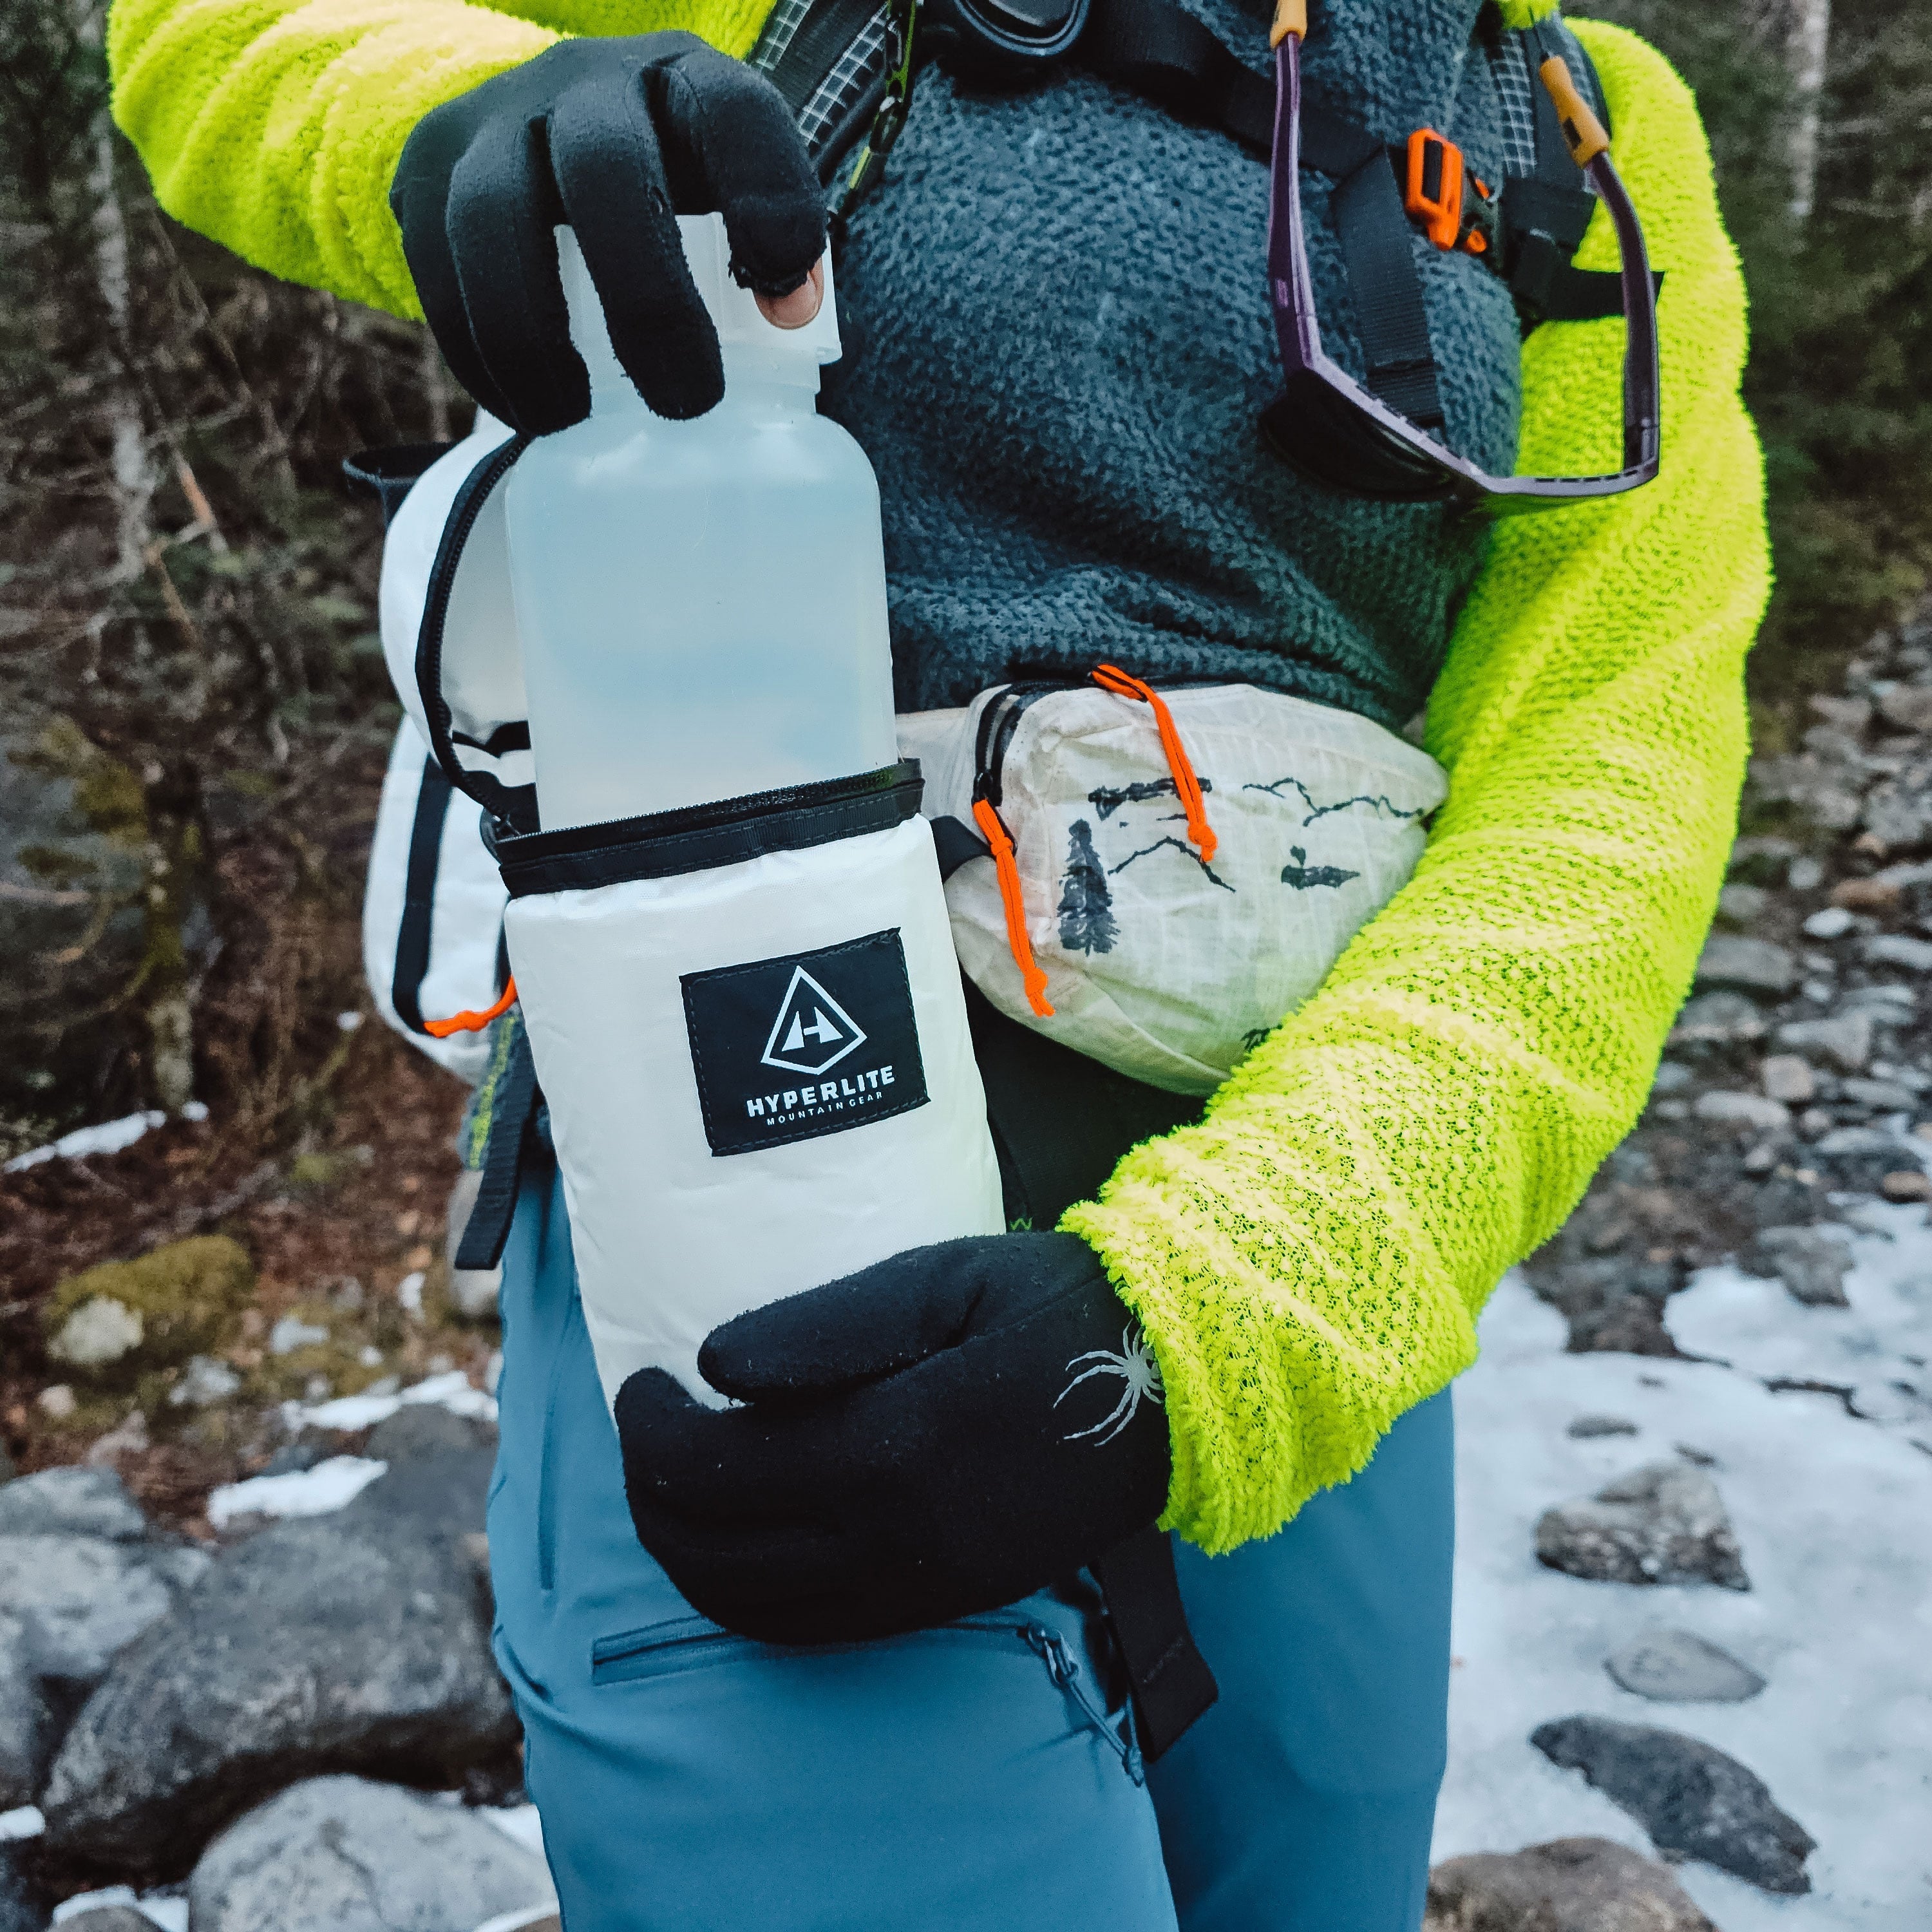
x: 937, y: 1435
x: 615, y: 137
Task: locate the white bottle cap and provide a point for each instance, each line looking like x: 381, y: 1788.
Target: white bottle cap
x: 755, y: 350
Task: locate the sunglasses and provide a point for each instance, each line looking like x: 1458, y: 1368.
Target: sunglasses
x: 1329, y: 425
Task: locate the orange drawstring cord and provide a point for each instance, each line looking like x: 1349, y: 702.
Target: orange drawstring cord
x: 1111, y: 677
x: 1031, y: 975
x: 473, y: 1022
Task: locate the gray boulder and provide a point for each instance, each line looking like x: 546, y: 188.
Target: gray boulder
x: 1812, y: 1263
x: 355, y: 1641
x: 22, y: 1908
x: 1677, y: 1667
x: 69, y: 1605
x: 1571, y: 1885
x: 1695, y: 1802
x: 1662, y: 1523
x: 71, y: 1502
x: 343, y: 1854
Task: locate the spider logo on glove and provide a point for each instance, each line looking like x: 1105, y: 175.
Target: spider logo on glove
x: 1140, y: 1376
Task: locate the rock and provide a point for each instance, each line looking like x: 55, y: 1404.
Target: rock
x: 177, y: 1301
x: 1878, y: 894
x: 1809, y: 1262
x: 1742, y: 904
x: 1718, y: 1019
x: 1694, y: 1801
x: 1898, y: 948
x: 22, y: 1908
x: 1877, y: 1096
x: 1611, y: 1303
x: 73, y: 866
x: 1570, y: 1884
x: 1788, y: 1079
x: 1907, y: 706
x: 1857, y: 1144
x: 1907, y: 1183
x: 1585, y: 1427
x: 99, y: 1331
x: 74, y: 1502
x: 426, y: 1429
x: 292, y: 1332
x: 204, y: 1382
x: 1828, y: 922
x: 1747, y: 965
x: 1888, y: 1005
x: 1896, y: 815
x: 1805, y: 873
x: 1662, y: 1523
x: 1845, y: 1039
x: 1673, y: 1076
x: 1727, y: 1109
x: 57, y: 1402
x: 358, y: 1641
x: 68, y: 1605
x: 1676, y: 1667
x: 1815, y: 786
x: 343, y: 1854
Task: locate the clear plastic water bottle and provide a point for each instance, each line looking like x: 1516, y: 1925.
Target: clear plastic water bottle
x: 702, y: 604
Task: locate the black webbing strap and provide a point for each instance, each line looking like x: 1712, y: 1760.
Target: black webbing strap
x: 1544, y: 215
x: 824, y: 37
x: 413, y: 936
x: 1160, y: 51
x: 512, y: 1102
x: 1172, y: 1684
x: 1379, y: 254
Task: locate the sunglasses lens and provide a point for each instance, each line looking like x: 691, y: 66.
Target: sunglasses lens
x: 1311, y: 427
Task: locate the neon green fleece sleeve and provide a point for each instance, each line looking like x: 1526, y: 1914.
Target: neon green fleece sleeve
x: 274, y: 126
x: 1309, y: 1260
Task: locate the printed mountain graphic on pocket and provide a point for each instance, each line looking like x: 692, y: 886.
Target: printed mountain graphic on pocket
x: 1301, y: 875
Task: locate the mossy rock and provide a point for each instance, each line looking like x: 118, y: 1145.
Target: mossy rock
x: 114, y: 1324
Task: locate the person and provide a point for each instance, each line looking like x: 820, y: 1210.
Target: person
x: 1058, y: 349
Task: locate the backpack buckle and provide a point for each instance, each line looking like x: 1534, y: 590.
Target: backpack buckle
x: 1455, y: 209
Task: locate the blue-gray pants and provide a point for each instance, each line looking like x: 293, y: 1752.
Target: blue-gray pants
x: 692, y: 1781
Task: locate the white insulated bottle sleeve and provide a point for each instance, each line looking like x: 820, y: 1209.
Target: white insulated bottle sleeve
x: 758, y: 1069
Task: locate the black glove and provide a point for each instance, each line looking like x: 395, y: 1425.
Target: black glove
x: 940, y: 1434
x: 615, y: 138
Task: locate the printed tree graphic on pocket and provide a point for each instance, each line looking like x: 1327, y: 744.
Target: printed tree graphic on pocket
x: 1301, y: 875
x: 1087, y: 922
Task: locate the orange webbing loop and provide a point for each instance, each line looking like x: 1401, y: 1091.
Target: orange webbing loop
x: 1031, y: 976
x: 1111, y: 677
x: 474, y: 1022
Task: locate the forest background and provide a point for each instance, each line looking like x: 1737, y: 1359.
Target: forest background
x: 193, y: 710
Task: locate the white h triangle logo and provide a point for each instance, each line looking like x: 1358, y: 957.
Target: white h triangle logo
x: 812, y: 1031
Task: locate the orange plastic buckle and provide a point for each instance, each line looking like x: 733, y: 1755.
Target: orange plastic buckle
x: 1434, y: 191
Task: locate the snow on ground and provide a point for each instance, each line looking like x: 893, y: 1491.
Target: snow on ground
x: 1834, y: 1514
x: 314, y: 1492
x: 451, y: 1391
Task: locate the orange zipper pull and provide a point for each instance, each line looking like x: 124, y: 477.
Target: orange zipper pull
x: 1031, y: 975
x: 1111, y: 677
x: 474, y: 1022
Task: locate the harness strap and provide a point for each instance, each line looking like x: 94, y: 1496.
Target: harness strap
x: 1172, y: 1683
x: 412, y: 937
x: 510, y: 1094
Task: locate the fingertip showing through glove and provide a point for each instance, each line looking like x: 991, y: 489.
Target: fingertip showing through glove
x: 939, y: 1435
x: 614, y: 138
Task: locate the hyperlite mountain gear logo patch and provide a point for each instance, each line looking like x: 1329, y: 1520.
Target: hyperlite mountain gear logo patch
x: 812, y: 1043
x: 813, y: 1032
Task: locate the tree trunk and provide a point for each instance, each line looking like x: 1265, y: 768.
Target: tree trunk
x: 1808, y: 52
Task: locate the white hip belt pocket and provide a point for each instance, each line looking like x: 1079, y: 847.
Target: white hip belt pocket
x: 1158, y: 879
